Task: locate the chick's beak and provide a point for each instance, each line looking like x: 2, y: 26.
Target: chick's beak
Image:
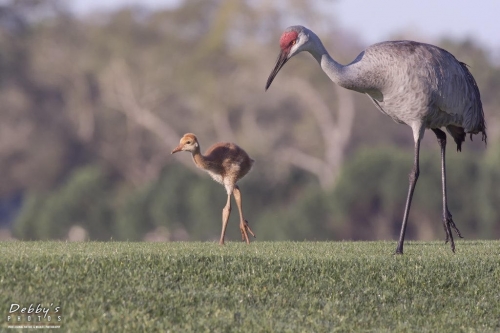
x: 177, y: 149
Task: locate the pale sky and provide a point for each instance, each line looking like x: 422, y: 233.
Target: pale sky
x: 375, y: 21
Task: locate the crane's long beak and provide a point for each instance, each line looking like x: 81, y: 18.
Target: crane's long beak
x: 282, y: 59
x: 178, y: 148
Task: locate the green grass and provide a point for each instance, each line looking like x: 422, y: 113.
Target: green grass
x: 263, y: 287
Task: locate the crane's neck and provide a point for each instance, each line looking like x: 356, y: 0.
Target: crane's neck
x: 200, y: 160
x: 342, y: 75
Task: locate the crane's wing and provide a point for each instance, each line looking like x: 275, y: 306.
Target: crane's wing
x: 456, y: 92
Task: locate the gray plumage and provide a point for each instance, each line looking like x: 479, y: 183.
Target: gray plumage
x: 417, y: 84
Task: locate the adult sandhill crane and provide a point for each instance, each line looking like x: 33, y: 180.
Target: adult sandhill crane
x: 420, y: 85
x: 226, y: 163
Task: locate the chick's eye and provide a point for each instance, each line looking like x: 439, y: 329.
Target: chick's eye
x: 189, y: 142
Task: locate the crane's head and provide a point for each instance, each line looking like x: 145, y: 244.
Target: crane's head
x: 188, y: 142
x: 293, y: 40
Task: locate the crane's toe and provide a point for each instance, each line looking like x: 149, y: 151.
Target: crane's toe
x: 448, y: 225
x: 244, y: 228
x: 454, y: 227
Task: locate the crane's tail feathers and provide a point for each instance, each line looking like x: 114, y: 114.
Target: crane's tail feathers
x: 458, y: 135
x: 484, y: 137
x: 474, y: 122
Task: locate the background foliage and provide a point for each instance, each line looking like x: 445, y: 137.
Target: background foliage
x: 92, y: 105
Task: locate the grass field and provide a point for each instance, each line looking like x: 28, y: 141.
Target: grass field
x: 263, y: 287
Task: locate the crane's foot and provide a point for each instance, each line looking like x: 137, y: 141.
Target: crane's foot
x: 399, y: 249
x: 452, y: 224
x: 244, y: 228
x: 448, y: 225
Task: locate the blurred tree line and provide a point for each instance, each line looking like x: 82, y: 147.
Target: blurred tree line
x: 92, y: 105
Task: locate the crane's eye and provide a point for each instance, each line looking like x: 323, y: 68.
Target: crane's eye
x: 293, y: 42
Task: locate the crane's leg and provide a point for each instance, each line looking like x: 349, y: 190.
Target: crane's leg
x: 225, y: 217
x: 413, y: 181
x: 243, y: 223
x: 447, y: 219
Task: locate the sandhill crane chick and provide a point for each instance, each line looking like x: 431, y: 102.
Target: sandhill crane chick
x: 226, y: 163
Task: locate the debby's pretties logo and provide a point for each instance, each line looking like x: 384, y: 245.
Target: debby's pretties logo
x: 34, y: 316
